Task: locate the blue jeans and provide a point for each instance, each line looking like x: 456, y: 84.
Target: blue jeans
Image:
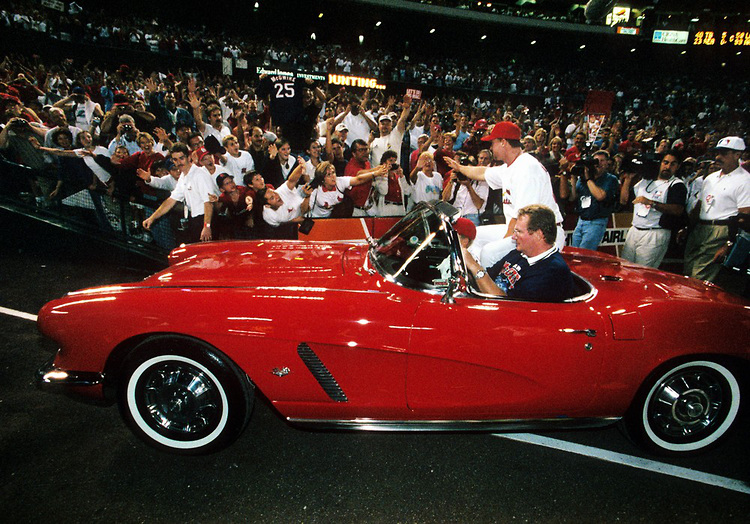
x: 588, y: 234
x: 474, y: 217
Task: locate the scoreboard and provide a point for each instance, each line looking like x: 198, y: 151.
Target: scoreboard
x: 721, y: 38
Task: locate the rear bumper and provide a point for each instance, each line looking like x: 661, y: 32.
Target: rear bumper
x: 50, y: 377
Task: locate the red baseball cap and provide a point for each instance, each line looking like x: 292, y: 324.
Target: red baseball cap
x: 504, y: 129
x: 201, y: 152
x: 465, y: 227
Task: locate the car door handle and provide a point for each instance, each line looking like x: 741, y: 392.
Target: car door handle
x: 587, y: 332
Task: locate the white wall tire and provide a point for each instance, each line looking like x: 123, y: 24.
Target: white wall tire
x: 685, y: 408
x: 184, y: 398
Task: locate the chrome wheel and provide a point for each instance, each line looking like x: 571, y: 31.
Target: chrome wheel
x: 687, y: 408
x: 177, y: 399
x: 189, y: 400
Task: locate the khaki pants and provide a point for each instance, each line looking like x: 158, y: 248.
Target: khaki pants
x: 701, y: 247
x: 646, y: 246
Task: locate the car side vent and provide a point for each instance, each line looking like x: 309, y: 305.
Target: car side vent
x: 321, y: 373
x: 611, y: 278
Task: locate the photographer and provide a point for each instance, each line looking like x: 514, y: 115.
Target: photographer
x: 17, y: 137
x: 86, y: 113
x: 394, y: 187
x: 595, y: 192
x: 127, y: 134
x: 648, y: 239
x: 122, y: 107
x: 468, y: 196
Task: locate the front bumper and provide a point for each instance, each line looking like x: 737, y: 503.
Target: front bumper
x: 50, y: 377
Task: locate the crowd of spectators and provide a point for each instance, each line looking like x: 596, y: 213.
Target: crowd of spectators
x: 112, y: 134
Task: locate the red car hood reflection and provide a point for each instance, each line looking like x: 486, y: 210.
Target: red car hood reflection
x: 277, y: 263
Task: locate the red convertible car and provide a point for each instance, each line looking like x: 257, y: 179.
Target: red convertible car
x: 391, y: 335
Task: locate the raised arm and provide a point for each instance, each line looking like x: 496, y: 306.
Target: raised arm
x: 473, y: 172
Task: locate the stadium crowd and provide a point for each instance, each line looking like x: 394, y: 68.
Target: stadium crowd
x: 249, y: 157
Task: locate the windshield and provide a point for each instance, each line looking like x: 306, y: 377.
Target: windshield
x: 416, y: 252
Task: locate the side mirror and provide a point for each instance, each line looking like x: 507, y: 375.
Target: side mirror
x: 453, y: 283
x: 456, y: 284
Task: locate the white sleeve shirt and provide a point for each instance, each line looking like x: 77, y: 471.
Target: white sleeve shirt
x: 289, y: 209
x: 722, y: 196
x: 193, y: 189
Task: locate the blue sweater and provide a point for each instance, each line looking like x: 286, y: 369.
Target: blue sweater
x: 549, y: 280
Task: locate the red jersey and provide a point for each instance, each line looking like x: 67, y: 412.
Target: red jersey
x: 359, y: 193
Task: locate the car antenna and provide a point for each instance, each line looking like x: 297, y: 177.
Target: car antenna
x: 370, y: 240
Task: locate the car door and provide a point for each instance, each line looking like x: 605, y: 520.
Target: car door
x: 499, y: 358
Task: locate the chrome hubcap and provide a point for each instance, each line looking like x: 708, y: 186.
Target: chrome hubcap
x: 686, y: 404
x: 181, y: 398
x: 691, y: 407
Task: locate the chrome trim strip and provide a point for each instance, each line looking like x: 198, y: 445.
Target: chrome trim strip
x: 456, y: 425
x: 48, y: 376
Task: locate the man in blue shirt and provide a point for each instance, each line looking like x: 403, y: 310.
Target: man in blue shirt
x: 595, y: 194
x: 535, y: 270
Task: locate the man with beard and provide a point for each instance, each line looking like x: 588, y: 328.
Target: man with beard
x: 647, y: 240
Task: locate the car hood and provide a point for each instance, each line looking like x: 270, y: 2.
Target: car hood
x: 258, y: 263
x: 617, y: 280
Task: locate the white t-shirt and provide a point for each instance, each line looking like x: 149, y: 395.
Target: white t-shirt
x: 463, y: 201
x: 414, y: 134
x: 358, y: 128
x: 322, y: 200
x: 193, y: 189
x: 694, y: 193
x: 524, y: 182
x: 380, y: 145
x: 219, y: 134
x: 288, y: 211
x: 219, y: 170
x: 101, y: 173
x: 239, y: 167
x: 723, y: 195
x: 427, y: 188
x: 570, y: 134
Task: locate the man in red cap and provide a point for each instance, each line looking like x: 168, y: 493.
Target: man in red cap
x: 524, y: 182
x: 467, y: 232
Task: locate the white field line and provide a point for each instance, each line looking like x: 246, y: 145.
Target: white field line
x: 628, y: 460
x: 19, y: 314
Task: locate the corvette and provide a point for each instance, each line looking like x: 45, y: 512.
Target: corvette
x: 392, y: 335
